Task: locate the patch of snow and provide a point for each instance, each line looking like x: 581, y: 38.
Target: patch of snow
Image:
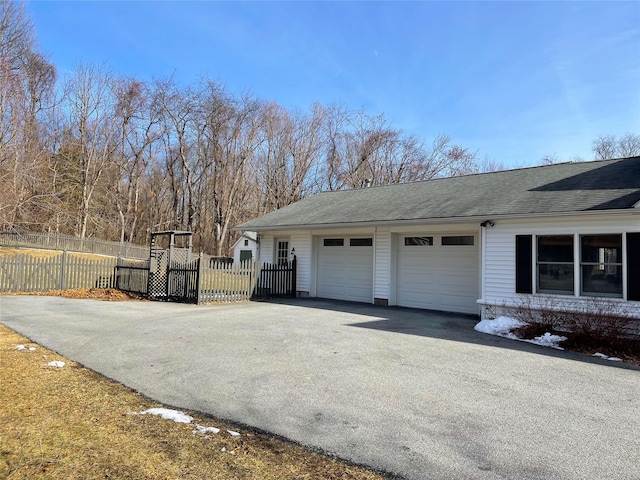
x: 56, y: 363
x: 602, y: 355
x: 500, y: 326
x: 204, y: 430
x: 548, y: 340
x: 168, y: 414
x: 181, y: 417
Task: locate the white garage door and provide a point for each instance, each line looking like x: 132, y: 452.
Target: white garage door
x: 345, y: 268
x: 438, y: 272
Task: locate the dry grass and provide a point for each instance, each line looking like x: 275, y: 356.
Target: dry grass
x: 43, y: 253
x: 71, y: 423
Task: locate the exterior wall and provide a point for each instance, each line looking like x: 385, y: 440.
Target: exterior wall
x: 499, y: 256
x: 239, y: 245
x: 301, y: 241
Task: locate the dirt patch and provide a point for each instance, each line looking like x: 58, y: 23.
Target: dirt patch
x: 60, y: 422
x: 106, y: 294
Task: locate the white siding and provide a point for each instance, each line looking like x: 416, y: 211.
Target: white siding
x: 382, y: 266
x: 301, y: 241
x: 266, y: 248
x: 499, y: 251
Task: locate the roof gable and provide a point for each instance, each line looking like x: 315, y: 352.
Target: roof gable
x: 559, y: 188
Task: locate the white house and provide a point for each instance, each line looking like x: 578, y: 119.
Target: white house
x: 246, y: 247
x: 469, y: 244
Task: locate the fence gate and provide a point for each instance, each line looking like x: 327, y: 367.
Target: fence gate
x: 173, y: 276
x: 276, y: 281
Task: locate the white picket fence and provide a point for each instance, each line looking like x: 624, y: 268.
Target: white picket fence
x: 224, y: 283
x: 26, y: 273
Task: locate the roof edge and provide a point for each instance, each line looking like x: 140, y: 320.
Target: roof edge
x: 439, y: 221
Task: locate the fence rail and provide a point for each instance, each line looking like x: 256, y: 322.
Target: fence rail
x: 56, y: 241
x: 25, y: 273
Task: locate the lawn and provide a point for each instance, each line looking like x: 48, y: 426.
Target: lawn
x: 71, y: 423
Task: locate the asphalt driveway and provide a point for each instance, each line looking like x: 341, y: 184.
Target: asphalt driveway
x: 415, y: 393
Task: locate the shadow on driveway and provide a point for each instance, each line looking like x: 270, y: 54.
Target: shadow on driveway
x: 454, y: 327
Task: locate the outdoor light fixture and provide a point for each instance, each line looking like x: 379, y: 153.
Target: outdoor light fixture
x: 293, y: 251
x: 487, y: 223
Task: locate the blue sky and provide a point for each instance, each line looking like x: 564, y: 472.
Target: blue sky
x: 514, y: 80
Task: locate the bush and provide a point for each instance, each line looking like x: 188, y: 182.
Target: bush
x: 596, y: 324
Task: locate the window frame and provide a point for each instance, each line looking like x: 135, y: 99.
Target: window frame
x: 425, y: 241
x: 282, y: 246
x: 602, y: 264
x: 554, y: 262
x: 457, y: 240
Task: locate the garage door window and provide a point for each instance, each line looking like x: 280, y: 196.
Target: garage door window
x: 458, y: 240
x: 361, y: 242
x: 418, y: 241
x: 333, y: 242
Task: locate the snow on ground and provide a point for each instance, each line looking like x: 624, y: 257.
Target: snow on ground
x: 602, y: 355
x: 548, y: 340
x: 168, y: 414
x: 502, y: 327
x: 181, y: 417
x: 22, y: 347
x: 56, y: 363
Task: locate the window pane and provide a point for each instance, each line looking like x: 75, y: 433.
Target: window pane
x: 601, y: 269
x: 333, y: 242
x: 361, y: 242
x: 555, y: 278
x: 601, y: 248
x: 458, y: 240
x: 607, y: 282
x: 418, y: 241
x: 555, y: 248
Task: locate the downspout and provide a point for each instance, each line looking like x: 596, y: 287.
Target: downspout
x: 375, y: 263
x: 483, y: 243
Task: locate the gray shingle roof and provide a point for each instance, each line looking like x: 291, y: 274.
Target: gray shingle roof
x: 559, y: 188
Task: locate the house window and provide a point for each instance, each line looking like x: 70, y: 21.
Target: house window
x: 333, y: 242
x: 601, y: 265
x: 418, y: 241
x: 282, y: 252
x: 457, y: 240
x: 361, y: 242
x: 246, y: 243
x: 555, y: 264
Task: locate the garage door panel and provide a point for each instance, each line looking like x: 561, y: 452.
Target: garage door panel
x: 345, y: 272
x: 438, y: 277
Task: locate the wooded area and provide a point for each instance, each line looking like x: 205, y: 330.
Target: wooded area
x: 102, y: 155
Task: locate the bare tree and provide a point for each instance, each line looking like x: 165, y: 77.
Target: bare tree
x: 608, y: 146
x: 138, y: 135
x: 91, y: 136
x: 629, y: 145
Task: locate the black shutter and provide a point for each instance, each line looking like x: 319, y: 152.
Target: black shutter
x: 524, y: 275
x: 633, y: 266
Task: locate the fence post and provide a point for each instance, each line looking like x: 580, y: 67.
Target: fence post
x: 198, y: 281
x: 63, y: 269
x: 294, y: 287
